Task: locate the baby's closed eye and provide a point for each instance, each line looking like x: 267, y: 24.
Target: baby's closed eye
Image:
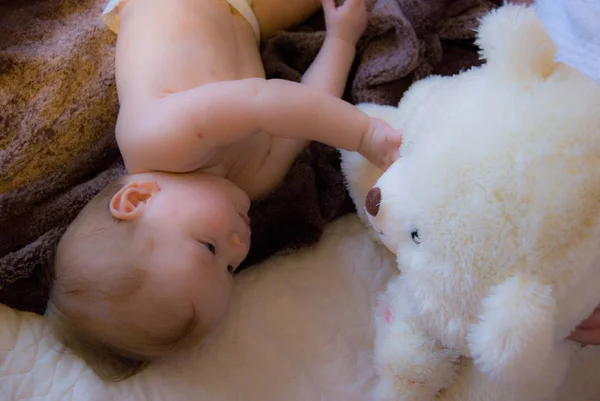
x: 211, y: 248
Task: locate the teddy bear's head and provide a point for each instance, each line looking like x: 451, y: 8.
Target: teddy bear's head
x: 493, y: 208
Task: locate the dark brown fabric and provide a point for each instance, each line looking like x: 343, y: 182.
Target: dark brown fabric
x: 58, y: 108
x: 404, y: 41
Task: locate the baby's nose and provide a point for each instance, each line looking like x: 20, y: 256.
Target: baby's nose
x: 373, y: 201
x: 239, y: 249
x: 235, y: 240
x: 239, y: 243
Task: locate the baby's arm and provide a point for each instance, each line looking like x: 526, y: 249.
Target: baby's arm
x: 345, y: 25
x: 329, y: 71
x: 175, y: 133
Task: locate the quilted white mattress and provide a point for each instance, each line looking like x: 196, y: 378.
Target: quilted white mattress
x: 299, y: 329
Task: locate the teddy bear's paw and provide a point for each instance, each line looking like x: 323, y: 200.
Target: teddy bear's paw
x: 413, y: 370
x: 388, y: 389
x: 445, y: 365
x: 392, y: 389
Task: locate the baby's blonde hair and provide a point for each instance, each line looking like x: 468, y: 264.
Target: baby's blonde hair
x: 95, y: 272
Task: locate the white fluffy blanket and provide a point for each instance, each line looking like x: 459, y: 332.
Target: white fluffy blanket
x: 299, y: 329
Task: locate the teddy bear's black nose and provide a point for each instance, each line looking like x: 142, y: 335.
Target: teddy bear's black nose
x: 372, y: 201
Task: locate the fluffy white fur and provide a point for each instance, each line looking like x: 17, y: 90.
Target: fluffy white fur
x: 299, y: 326
x: 493, y: 211
x: 299, y: 329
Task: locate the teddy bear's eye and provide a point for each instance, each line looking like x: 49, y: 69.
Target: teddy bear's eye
x: 414, y: 234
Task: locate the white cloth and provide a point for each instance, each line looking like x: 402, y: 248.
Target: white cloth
x: 574, y: 27
x: 110, y: 15
x: 244, y: 7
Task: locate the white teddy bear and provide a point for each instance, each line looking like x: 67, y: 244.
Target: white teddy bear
x: 493, y: 211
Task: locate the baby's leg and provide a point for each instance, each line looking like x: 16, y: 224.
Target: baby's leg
x: 277, y: 15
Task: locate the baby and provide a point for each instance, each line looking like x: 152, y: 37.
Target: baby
x: 146, y: 267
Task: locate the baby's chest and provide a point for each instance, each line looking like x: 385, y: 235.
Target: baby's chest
x: 254, y: 167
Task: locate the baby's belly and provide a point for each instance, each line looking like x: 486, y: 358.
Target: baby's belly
x: 182, y: 44
x: 224, y: 47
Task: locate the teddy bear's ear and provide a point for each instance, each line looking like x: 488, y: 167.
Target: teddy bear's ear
x: 513, y: 41
x: 516, y: 330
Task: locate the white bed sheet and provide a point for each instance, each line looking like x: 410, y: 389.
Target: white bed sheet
x: 299, y: 329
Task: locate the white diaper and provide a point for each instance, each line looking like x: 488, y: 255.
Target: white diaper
x: 110, y: 15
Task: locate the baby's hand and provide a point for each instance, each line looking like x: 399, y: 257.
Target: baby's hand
x: 346, y: 22
x: 380, y: 144
x: 588, y: 332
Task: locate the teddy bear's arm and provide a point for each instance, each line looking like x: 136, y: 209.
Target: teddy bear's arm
x: 410, y: 365
x: 515, y: 340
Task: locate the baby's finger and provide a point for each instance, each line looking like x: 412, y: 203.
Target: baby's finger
x: 328, y: 5
x: 354, y: 3
x: 397, y: 138
x: 383, y: 166
x: 593, y: 322
x: 387, y: 162
x: 394, y: 139
x: 379, y: 162
x: 586, y: 337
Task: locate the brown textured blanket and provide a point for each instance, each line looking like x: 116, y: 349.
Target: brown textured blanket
x: 58, y: 107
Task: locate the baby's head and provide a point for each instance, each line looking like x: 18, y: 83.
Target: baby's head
x: 146, y: 268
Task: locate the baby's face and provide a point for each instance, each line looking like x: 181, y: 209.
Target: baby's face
x: 200, y: 232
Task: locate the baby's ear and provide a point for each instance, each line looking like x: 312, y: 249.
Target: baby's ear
x: 130, y: 201
x: 516, y: 330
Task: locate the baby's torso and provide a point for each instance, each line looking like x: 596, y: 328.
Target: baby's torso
x: 169, y: 46
x: 252, y: 164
